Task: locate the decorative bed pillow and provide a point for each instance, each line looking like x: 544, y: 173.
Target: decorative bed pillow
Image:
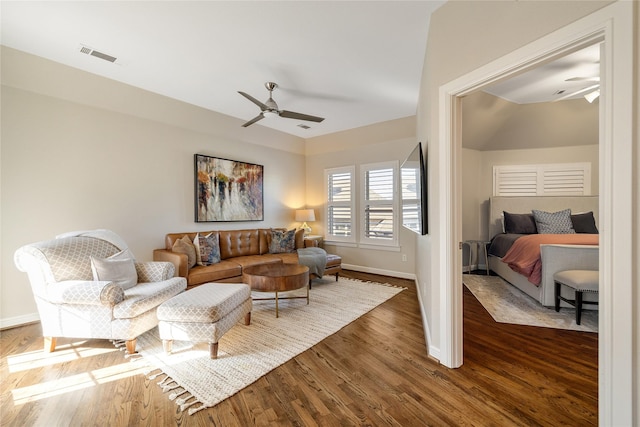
x: 185, y: 246
x: 207, y: 249
x: 282, y: 241
x: 554, y: 222
x: 519, y: 223
x: 584, y: 223
x: 118, y: 268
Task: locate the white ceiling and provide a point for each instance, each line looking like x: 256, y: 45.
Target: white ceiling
x: 549, y: 82
x: 354, y: 63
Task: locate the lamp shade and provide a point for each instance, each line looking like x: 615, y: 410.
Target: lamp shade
x: 304, y: 215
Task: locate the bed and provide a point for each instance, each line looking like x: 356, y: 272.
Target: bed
x: 555, y: 252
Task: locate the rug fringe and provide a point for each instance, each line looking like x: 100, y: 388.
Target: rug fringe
x: 377, y: 283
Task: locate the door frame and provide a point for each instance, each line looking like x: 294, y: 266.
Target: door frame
x: 613, y: 26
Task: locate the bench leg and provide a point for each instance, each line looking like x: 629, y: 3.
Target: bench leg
x: 167, y: 345
x: 578, y: 306
x: 557, y: 295
x: 213, y: 350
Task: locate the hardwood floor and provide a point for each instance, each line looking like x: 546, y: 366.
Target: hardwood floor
x: 375, y: 371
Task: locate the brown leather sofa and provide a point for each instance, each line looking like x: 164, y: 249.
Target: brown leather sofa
x: 238, y: 249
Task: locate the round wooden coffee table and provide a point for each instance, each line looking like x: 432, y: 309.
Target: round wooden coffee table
x: 277, y: 278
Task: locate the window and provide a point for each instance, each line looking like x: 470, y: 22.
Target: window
x: 379, y: 225
x: 568, y: 179
x: 340, y: 208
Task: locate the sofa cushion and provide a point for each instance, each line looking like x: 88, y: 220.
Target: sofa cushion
x: 147, y: 296
x: 184, y: 245
x: 118, y: 268
x: 235, y: 243
x: 287, y: 258
x: 215, y: 272
x: 251, y: 260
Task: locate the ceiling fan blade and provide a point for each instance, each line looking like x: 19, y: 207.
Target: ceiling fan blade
x: 299, y: 116
x: 255, y: 101
x: 252, y: 121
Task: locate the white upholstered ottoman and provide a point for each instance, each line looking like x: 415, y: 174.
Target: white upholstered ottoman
x: 204, y: 314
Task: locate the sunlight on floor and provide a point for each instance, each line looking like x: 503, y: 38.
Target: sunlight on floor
x: 75, y: 382
x: 39, y: 359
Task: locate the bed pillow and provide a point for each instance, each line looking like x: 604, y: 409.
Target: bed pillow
x: 584, y: 223
x: 554, y: 222
x: 519, y: 223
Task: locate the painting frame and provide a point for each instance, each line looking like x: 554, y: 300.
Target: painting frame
x: 227, y: 190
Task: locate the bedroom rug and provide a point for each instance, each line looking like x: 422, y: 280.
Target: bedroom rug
x: 508, y: 304
x: 246, y: 353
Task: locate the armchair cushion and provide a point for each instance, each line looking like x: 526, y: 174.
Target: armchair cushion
x: 85, y: 292
x: 118, y: 268
x: 146, y: 296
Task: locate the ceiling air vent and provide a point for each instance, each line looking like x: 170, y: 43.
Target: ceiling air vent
x: 304, y: 126
x: 89, y: 51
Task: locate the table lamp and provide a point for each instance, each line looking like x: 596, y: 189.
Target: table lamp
x: 304, y: 215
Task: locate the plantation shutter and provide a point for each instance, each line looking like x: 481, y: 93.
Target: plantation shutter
x: 571, y: 179
x: 340, y: 204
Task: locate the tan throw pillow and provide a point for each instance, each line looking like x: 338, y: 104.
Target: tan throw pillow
x: 118, y: 268
x: 185, y: 246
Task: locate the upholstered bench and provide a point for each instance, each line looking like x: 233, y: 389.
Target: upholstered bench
x: 580, y: 281
x: 204, y: 314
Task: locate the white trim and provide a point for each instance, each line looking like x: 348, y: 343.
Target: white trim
x: 433, y: 351
x: 391, y: 273
x: 10, y: 322
x: 614, y: 25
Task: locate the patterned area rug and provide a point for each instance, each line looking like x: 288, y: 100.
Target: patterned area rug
x: 246, y: 353
x: 508, y: 304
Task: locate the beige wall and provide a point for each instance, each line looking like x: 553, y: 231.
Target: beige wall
x: 459, y: 43
x: 82, y: 152
x: 385, y: 141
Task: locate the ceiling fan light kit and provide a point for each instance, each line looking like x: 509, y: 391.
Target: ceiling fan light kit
x: 270, y: 108
x: 592, y: 96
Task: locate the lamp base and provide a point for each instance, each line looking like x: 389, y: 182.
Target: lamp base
x: 306, y: 228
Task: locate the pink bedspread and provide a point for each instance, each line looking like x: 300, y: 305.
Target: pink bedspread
x: 524, y: 256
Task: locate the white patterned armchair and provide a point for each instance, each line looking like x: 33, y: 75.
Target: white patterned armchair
x: 88, y: 285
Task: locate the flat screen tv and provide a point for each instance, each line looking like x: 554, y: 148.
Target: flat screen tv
x: 413, y: 184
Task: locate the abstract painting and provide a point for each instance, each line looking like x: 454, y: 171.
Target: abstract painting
x: 227, y: 190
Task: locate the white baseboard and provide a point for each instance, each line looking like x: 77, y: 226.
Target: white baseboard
x: 11, y: 322
x: 363, y: 269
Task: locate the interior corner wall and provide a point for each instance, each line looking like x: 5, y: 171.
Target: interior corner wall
x: 72, y: 166
x: 392, y: 140
x: 459, y: 43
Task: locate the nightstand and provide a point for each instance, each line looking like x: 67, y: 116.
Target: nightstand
x: 479, y: 244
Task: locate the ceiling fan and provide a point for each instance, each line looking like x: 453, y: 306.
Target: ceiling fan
x: 591, y: 92
x: 269, y: 108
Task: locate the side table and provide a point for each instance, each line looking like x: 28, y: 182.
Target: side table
x: 478, y: 244
x: 316, y: 238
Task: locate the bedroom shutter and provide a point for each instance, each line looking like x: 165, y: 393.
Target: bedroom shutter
x: 568, y: 179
